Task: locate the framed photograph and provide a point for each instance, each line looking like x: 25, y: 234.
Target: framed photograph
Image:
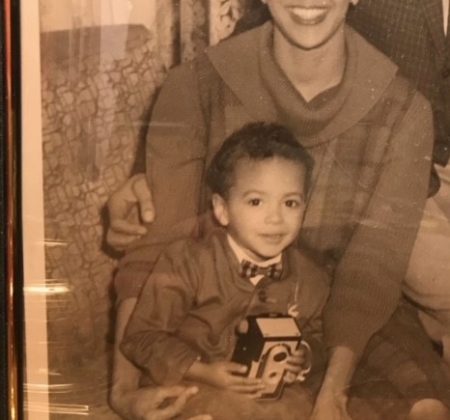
x: 91, y: 72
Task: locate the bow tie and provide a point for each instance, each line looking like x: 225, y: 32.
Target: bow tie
x: 249, y: 270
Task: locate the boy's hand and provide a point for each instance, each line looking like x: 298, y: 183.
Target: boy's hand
x: 295, y: 363
x: 225, y: 375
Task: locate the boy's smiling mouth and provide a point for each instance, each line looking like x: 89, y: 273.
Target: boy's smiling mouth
x: 273, y: 238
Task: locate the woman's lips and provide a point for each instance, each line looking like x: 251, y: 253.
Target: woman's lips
x: 308, y: 15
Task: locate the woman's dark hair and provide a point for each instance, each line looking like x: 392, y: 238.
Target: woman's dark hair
x: 255, y: 14
x: 255, y: 141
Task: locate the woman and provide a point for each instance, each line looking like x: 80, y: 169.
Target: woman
x: 371, y: 136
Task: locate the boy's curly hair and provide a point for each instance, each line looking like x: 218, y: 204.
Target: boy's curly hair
x: 255, y: 141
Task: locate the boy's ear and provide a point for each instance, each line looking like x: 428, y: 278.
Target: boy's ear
x: 220, y: 209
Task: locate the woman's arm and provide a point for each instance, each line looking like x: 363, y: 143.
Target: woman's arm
x: 367, y: 283
x: 176, y: 148
x: 167, y: 196
x: 331, y: 403
x: 175, y: 155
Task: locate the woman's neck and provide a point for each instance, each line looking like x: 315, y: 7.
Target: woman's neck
x: 311, y: 71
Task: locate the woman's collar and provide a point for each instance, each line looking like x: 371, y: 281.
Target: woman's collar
x: 236, y: 61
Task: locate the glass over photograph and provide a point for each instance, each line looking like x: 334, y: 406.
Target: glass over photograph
x: 236, y: 209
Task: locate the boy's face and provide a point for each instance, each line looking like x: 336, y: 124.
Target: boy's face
x: 309, y: 24
x: 265, y: 204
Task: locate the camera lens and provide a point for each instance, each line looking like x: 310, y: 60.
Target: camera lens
x: 279, y: 357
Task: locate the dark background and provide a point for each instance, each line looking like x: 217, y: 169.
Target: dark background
x: 4, y: 193
x: 3, y: 359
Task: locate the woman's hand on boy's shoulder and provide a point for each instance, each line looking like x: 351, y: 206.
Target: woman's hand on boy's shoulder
x: 226, y: 375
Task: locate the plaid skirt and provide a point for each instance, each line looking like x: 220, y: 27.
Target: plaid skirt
x: 399, y: 367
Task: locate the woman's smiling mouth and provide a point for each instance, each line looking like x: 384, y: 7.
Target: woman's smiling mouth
x: 308, y: 15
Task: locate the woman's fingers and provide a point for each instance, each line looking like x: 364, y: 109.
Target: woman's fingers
x: 134, y: 192
x: 120, y: 241
x: 123, y: 226
x: 144, y: 198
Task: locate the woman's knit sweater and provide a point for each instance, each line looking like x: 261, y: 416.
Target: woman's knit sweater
x: 371, y: 141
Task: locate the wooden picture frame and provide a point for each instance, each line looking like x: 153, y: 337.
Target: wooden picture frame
x: 79, y: 79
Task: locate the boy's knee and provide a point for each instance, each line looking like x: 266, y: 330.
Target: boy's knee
x: 429, y: 409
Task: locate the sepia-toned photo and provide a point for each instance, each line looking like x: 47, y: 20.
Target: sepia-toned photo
x: 236, y: 209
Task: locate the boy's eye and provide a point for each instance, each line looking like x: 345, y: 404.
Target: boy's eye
x: 254, y: 201
x: 292, y: 203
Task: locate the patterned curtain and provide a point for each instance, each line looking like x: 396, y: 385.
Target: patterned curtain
x: 181, y: 28
x: 195, y: 24
x: 99, y: 78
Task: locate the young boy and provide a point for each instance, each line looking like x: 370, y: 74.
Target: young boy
x: 184, y: 325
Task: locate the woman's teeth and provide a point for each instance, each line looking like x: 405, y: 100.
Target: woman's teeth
x: 308, y: 14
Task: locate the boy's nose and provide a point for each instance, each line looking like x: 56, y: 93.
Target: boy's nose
x: 274, y: 215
